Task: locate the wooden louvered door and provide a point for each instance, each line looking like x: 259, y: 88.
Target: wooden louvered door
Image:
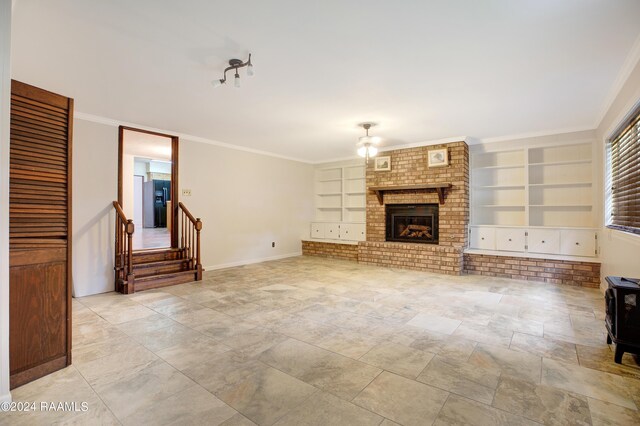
x: 40, y: 232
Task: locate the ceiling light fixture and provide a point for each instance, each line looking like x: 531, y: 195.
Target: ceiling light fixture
x: 235, y: 64
x: 366, y: 144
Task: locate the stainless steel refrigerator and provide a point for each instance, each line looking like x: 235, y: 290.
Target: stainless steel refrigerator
x: 156, y: 193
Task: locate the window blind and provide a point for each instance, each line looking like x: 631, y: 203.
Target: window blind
x: 625, y: 177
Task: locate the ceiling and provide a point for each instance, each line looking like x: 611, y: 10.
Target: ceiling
x: 145, y: 145
x: 423, y: 70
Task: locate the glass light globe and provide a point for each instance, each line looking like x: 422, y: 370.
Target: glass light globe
x: 362, y: 151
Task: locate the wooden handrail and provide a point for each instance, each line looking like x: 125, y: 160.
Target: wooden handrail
x: 119, y: 211
x: 190, y: 239
x: 187, y: 212
x: 123, y: 251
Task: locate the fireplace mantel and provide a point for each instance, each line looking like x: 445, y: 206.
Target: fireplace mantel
x: 425, y: 187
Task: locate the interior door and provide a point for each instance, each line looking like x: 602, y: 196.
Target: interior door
x: 39, y: 233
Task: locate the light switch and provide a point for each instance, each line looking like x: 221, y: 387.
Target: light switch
x: 186, y: 193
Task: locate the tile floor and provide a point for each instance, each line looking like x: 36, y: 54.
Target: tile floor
x: 310, y: 341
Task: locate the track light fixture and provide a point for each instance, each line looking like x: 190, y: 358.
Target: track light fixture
x: 235, y: 65
x: 366, y: 144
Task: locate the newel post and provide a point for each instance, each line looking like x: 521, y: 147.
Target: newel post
x: 198, y: 263
x: 130, y: 276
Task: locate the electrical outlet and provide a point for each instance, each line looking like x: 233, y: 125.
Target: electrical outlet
x: 273, y: 243
x: 186, y: 193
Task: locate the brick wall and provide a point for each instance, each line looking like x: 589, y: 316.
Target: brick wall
x: 422, y: 257
x: 584, y: 274
x: 408, y: 167
x: 331, y: 250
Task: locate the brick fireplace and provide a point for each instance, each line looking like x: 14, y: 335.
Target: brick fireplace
x: 409, y: 167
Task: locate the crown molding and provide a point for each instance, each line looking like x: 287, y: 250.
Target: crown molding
x: 112, y: 122
x: 536, y: 134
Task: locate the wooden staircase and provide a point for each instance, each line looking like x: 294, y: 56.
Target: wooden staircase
x: 146, y: 269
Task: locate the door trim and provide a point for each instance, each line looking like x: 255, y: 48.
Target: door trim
x: 175, y: 141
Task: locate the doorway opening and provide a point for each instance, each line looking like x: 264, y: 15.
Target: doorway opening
x: 147, y: 186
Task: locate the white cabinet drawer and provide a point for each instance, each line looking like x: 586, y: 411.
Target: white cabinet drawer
x: 317, y: 230
x: 510, y: 239
x: 578, y: 242
x: 483, y: 238
x: 544, y: 241
x: 332, y: 231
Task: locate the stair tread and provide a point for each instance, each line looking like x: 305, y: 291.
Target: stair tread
x: 165, y: 275
x: 159, y: 263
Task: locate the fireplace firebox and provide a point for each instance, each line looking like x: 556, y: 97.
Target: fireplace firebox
x: 412, y: 223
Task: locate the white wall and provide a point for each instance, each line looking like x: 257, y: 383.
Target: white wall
x: 245, y: 201
x: 127, y: 185
x: 5, y: 108
x: 619, y: 249
x: 95, y: 187
x: 160, y: 167
x: 141, y: 168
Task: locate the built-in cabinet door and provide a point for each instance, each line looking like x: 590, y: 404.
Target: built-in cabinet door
x: 360, y: 231
x: 347, y: 231
x: 577, y: 242
x: 39, y: 233
x: 332, y: 231
x: 317, y: 230
x: 544, y: 241
x: 510, y: 239
x: 483, y: 238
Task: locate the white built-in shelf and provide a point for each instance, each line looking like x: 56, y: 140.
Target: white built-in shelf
x: 550, y: 185
x: 499, y: 186
x: 508, y: 166
x: 562, y: 184
x: 561, y: 205
x: 340, y: 194
x: 561, y: 163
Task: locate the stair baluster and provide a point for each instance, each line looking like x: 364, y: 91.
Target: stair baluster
x: 190, y: 240
x: 123, y: 251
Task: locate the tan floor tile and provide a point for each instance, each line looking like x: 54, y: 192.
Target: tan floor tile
x: 116, y: 365
x: 326, y: 370
x: 325, y: 409
x: 462, y: 411
x: 399, y: 359
x: 601, y: 358
x: 510, y: 363
x: 544, y: 347
x: 543, y: 404
x: 192, y: 353
x: 193, y: 405
x: 435, y: 323
x: 147, y: 387
x: 402, y: 400
x: 592, y: 383
x: 607, y: 414
x: 464, y: 379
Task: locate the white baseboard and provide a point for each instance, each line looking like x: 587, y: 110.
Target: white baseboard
x: 250, y: 261
x: 5, y: 398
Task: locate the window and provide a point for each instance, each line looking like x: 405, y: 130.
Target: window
x: 624, y: 177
